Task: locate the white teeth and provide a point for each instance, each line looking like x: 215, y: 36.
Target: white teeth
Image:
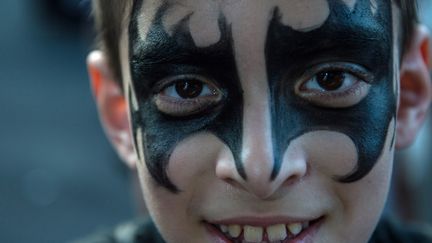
x: 224, y: 228
x: 276, y: 232
x: 295, y: 228
x: 234, y: 230
x: 253, y: 234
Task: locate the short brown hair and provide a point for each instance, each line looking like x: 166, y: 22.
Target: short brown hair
x: 109, y: 16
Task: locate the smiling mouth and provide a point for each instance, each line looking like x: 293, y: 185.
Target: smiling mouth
x: 280, y: 233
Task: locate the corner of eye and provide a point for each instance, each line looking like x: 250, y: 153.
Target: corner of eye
x: 298, y: 86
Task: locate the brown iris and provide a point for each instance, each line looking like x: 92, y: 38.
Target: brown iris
x: 189, y: 89
x: 330, y: 80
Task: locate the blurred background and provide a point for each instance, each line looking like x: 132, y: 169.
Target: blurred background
x: 59, y: 178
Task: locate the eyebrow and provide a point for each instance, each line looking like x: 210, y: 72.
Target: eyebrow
x: 162, y: 54
x: 356, y: 43
x: 167, y: 51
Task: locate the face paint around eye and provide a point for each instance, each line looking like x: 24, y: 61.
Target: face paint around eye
x: 285, y: 48
x: 167, y: 118
x: 335, y: 85
x: 360, y: 47
x: 187, y: 95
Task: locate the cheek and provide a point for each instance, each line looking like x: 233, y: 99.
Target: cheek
x: 191, y: 168
x: 327, y: 152
x: 193, y: 160
x: 364, y: 200
x: 376, y: 182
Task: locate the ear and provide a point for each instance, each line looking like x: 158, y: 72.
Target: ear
x: 415, y: 88
x: 112, y: 107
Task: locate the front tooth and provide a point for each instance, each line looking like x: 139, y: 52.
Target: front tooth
x: 253, y: 234
x: 295, y: 228
x: 276, y: 232
x: 224, y: 228
x: 234, y: 230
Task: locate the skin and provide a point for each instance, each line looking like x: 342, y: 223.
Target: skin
x: 262, y: 148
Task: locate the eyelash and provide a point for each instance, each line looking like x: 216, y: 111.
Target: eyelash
x: 210, y: 95
x: 348, y: 97
x: 173, y: 104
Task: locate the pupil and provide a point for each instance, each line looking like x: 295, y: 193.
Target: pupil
x: 330, y: 80
x: 189, y: 89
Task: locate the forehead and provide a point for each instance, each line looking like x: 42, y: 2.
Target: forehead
x: 202, y: 15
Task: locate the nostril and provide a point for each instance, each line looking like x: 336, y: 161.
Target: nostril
x: 296, y: 177
x: 291, y: 180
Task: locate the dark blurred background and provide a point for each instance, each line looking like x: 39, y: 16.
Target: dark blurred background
x: 59, y: 177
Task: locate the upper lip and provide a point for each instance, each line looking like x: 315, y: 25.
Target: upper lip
x: 263, y: 221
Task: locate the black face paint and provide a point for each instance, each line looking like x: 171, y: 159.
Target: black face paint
x: 162, y: 56
x: 358, y: 37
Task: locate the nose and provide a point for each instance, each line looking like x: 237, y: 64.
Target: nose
x: 258, y: 156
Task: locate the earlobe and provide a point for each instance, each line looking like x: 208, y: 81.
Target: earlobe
x: 415, y: 88
x: 112, y: 107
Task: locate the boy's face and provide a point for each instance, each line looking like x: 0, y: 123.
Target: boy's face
x: 263, y: 120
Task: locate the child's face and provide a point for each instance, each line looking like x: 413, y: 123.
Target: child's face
x: 274, y: 119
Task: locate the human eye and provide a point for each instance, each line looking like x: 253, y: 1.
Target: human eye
x: 186, y: 95
x: 336, y: 85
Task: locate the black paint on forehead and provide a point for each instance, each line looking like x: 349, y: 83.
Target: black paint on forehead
x: 161, y: 56
x: 356, y: 36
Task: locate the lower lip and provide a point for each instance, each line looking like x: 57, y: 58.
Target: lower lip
x: 305, y: 237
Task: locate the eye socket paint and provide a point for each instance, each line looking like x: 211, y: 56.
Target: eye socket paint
x: 356, y: 35
x: 179, y: 55
x: 365, y: 123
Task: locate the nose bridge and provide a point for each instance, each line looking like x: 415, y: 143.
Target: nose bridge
x: 257, y: 136
x: 257, y: 154
x: 257, y: 148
